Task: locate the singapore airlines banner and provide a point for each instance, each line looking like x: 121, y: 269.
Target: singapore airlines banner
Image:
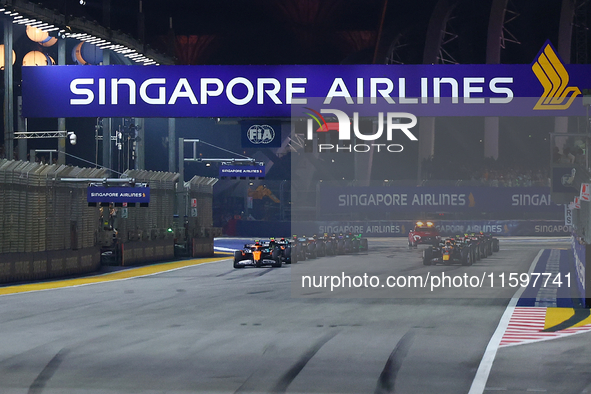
x: 547, y: 87
x: 436, y: 199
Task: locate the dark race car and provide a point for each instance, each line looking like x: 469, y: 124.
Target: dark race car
x: 495, y: 242
x: 257, y: 255
x: 423, y: 233
x: 326, y: 245
x: 330, y: 244
x: 285, y: 250
x: 301, y: 247
x: 344, y: 244
x: 480, y: 244
x: 312, y: 247
x: 363, y: 244
x: 492, y: 242
x: 449, y: 251
x: 487, y: 244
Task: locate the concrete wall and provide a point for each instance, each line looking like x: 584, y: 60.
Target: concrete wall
x: 16, y: 267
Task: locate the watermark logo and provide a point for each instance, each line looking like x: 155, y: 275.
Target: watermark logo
x: 394, y: 121
x: 554, y: 79
x: 260, y: 134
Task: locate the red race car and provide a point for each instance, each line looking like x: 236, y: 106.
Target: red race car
x: 423, y: 233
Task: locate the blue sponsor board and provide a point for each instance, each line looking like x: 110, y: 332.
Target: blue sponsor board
x: 270, y: 91
x: 100, y: 194
x: 261, y: 134
x: 242, y: 171
x: 436, y: 199
x: 400, y: 228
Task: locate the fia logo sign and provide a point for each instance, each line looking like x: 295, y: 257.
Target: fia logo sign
x: 260, y: 134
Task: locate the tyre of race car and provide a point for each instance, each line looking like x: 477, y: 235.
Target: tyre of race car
x: 349, y: 246
x: 427, y: 256
x: 303, y: 254
x: 482, y: 251
x: 321, y: 250
x: 476, y: 252
x: 473, y: 253
x: 354, y: 246
x: 364, y: 244
x: 496, y: 247
x: 276, y: 256
x: 466, y: 257
x: 489, y: 248
x: 237, y: 258
x: 288, y: 258
x: 341, y: 247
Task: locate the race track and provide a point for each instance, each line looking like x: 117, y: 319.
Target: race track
x: 210, y: 328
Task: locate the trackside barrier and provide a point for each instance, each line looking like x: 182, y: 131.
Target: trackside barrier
x: 147, y: 251
x: 582, y: 258
x: 400, y: 228
x: 17, y: 267
x: 48, y: 230
x: 581, y: 248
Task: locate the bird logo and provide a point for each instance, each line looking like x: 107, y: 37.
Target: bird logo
x: 554, y: 79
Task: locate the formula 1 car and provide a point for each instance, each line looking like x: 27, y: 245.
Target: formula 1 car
x: 363, y: 244
x: 423, y: 233
x: 320, y: 245
x: 285, y: 250
x: 349, y: 243
x: 487, y: 244
x: 301, y: 245
x: 344, y: 244
x: 481, y: 245
x: 449, y: 251
x: 311, y: 247
x: 493, y: 243
x: 257, y: 255
x: 332, y: 244
x: 326, y: 245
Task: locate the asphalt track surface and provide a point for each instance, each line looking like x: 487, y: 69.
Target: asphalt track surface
x: 209, y: 328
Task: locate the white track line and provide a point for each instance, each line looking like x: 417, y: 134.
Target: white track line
x: 479, y: 382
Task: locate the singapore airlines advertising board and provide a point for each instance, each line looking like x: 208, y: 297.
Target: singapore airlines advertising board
x: 255, y: 91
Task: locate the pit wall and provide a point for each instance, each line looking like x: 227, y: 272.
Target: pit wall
x: 17, y: 267
x: 386, y: 228
x: 47, y: 229
x: 147, y: 251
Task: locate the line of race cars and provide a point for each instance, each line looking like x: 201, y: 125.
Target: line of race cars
x: 464, y: 249
x: 275, y: 252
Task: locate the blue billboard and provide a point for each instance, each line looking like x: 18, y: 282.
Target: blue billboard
x: 270, y: 91
x: 447, y: 228
x: 130, y: 195
x: 436, y: 199
x: 242, y: 171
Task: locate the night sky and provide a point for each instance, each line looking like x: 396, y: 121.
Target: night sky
x: 322, y: 31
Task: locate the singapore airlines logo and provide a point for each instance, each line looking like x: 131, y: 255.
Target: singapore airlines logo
x: 554, y: 79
